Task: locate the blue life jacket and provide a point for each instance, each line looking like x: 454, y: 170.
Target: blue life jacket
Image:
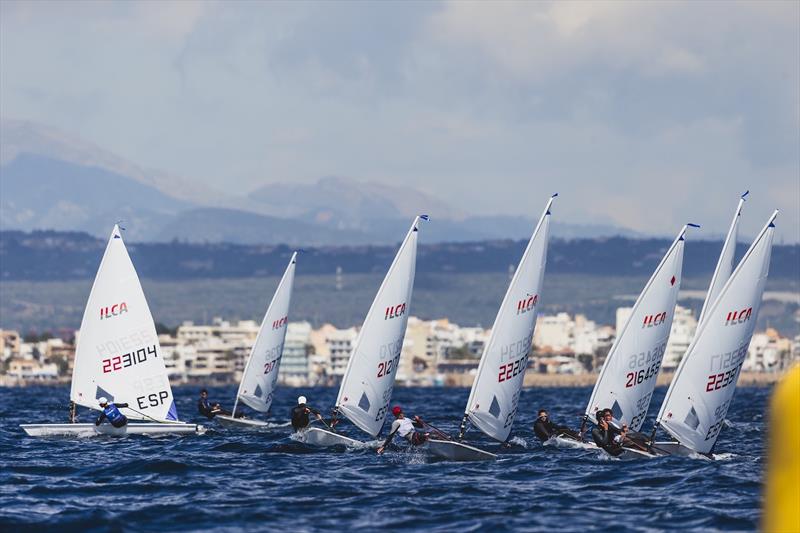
x: 113, y: 414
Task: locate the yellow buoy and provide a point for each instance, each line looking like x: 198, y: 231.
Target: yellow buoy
x: 782, y: 498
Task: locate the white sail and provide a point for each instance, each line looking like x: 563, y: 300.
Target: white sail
x: 725, y: 262
x: 118, y: 355
x: 628, y: 376
x: 698, y: 399
x: 368, y: 382
x: 495, y: 392
x: 260, y: 375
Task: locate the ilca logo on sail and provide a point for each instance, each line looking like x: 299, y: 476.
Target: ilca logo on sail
x: 527, y: 304
x: 394, y: 311
x: 114, y: 310
x: 654, y: 320
x: 738, y: 317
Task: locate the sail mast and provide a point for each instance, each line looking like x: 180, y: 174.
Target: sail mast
x: 278, y: 310
x: 118, y: 355
x: 368, y: 381
x: 631, y: 386
x: 493, y: 401
x: 732, y: 336
x: 725, y: 262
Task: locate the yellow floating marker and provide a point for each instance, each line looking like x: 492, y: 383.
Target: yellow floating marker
x: 782, y: 498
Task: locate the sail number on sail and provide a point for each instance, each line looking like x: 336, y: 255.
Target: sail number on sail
x: 128, y: 359
x: 275, y: 353
x: 728, y: 366
x: 636, y: 360
x: 719, y: 420
x: 390, y: 351
x: 519, y: 365
x: 512, y: 369
x: 641, y: 408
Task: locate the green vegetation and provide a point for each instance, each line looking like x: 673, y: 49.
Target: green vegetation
x: 467, y: 299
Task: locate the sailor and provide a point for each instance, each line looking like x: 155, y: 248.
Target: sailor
x: 405, y: 428
x: 300, y: 414
x: 544, y: 428
x: 207, y: 409
x: 111, y: 412
x: 607, y: 435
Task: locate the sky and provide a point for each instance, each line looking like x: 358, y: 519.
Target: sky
x: 645, y: 115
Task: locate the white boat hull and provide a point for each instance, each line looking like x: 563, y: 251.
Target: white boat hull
x: 457, y: 451
x: 325, y: 438
x: 567, y: 442
x: 632, y: 453
x: 628, y: 453
x: 246, y: 423
x: 674, y: 448
x: 90, y: 430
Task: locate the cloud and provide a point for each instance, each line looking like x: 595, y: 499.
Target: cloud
x: 644, y: 113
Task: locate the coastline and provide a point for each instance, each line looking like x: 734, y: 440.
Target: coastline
x: 532, y: 380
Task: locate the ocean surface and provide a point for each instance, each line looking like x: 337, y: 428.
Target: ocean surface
x: 226, y: 480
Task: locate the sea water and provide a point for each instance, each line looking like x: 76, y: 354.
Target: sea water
x: 231, y: 480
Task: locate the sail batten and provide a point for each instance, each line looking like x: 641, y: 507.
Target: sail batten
x: 118, y: 355
x: 628, y: 376
x: 493, y: 399
x: 368, y: 381
x: 698, y: 399
x: 260, y: 375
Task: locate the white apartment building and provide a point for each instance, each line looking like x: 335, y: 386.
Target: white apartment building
x: 332, y: 348
x: 768, y: 352
x: 684, y: 326
x: 294, y: 369
x: 554, y: 332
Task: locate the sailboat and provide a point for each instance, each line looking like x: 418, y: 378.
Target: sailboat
x: 118, y: 356
x: 260, y: 376
x: 368, y: 381
x: 697, y: 401
x: 628, y: 376
x: 494, y: 398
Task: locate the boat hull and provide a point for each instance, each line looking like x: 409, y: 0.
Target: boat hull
x: 91, y: 430
x: 457, y: 451
x: 632, y: 453
x: 562, y: 441
x: 324, y: 438
x: 674, y: 448
x: 627, y: 453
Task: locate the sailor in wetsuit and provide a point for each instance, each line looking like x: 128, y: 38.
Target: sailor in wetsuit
x: 111, y: 412
x: 544, y: 428
x: 300, y: 414
x: 405, y: 428
x: 207, y: 409
x: 606, y: 435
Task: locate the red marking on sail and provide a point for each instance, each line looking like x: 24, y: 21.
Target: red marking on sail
x: 672, y: 281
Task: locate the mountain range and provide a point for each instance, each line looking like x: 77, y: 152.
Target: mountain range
x: 53, y: 180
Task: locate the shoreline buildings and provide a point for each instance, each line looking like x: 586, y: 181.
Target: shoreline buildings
x: 435, y: 352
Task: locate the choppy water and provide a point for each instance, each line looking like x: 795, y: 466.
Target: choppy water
x: 227, y: 480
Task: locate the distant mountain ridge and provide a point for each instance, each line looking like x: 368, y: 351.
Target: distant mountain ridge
x: 52, y: 180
